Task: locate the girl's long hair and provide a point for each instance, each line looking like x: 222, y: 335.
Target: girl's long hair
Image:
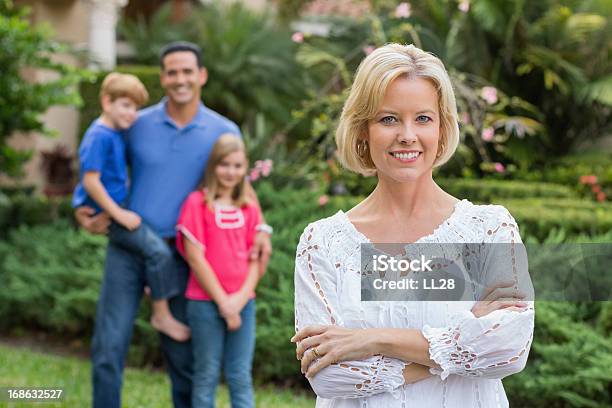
x: 227, y: 143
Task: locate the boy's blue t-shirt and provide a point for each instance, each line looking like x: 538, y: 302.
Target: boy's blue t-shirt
x: 103, y: 150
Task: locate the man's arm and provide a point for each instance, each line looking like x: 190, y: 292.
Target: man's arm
x: 252, y: 195
x: 262, y: 247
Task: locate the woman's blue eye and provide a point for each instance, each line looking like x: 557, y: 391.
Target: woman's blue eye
x: 423, y: 119
x: 387, y: 120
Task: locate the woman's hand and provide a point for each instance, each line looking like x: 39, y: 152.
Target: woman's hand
x: 500, y: 296
x: 320, y: 346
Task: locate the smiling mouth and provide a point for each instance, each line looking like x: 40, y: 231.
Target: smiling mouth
x: 405, y: 157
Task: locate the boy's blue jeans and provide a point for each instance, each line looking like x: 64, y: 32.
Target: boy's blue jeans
x: 122, y: 287
x: 156, y: 254
x: 214, y: 347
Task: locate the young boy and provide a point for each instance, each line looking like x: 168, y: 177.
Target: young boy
x: 103, y: 186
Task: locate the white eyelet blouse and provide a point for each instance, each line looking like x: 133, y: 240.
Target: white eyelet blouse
x: 474, y: 353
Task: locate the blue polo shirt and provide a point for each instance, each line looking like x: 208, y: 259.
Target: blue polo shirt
x: 102, y: 150
x: 168, y: 162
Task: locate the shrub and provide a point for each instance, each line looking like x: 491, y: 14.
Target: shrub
x: 569, y: 170
x: 51, y: 276
x: 289, y: 212
x: 539, y: 216
x: 489, y: 190
x: 569, y: 363
x: 604, y: 322
x: 22, y: 209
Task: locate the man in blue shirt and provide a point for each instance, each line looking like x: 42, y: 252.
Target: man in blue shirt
x: 167, y: 148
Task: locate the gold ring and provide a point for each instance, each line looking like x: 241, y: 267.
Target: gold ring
x: 315, y: 353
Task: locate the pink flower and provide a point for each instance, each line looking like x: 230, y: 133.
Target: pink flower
x: 323, y: 200
x: 266, y: 167
x: 464, y: 6
x: 588, y: 179
x: 499, y: 168
x: 487, y: 134
x: 297, y: 37
x: 403, y: 10
x: 596, y: 189
x: 489, y: 94
x: 254, y: 175
x: 601, y: 197
x: 367, y: 50
x: 465, y: 118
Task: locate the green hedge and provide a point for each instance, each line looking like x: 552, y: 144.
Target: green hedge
x: 51, y: 276
x: 490, y: 190
x: 90, y: 91
x: 567, y: 170
x: 477, y: 190
x: 538, y: 217
x: 569, y: 363
x: 22, y: 209
x: 289, y: 212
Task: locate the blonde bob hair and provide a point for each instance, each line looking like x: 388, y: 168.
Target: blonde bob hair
x: 227, y: 143
x: 373, y: 76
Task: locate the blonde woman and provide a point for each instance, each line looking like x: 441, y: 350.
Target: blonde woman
x: 399, y: 123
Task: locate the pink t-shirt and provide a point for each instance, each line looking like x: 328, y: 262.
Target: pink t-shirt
x: 225, y: 234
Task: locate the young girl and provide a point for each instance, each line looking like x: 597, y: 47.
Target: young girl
x: 216, y: 230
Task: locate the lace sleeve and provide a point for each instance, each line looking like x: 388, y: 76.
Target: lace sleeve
x: 316, y: 302
x: 495, y: 345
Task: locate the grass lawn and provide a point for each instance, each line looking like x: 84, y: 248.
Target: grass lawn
x: 21, y: 367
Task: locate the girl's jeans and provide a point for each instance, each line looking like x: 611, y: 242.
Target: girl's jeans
x: 214, y: 347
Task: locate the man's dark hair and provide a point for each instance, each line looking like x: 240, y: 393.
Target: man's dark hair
x: 178, y: 46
